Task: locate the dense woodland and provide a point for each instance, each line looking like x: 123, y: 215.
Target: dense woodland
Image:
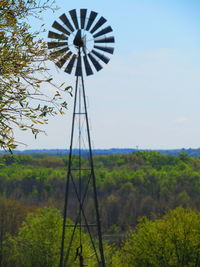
x: 143, y: 183
x: 129, y: 186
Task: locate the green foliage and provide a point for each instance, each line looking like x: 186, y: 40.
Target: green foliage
x: 129, y: 186
x: 171, y: 241
x: 12, y: 214
x: 22, y: 72
x: 38, y: 242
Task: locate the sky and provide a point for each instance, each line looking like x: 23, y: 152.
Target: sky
x: 148, y: 95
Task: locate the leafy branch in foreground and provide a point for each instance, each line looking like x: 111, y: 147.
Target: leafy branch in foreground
x: 23, y: 105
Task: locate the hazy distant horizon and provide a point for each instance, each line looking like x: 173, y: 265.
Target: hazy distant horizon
x: 111, y: 148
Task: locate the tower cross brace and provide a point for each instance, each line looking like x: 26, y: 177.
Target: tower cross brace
x: 81, y: 220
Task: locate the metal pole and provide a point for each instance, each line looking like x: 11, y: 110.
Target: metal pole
x: 94, y: 181
x: 68, y: 178
x: 64, y: 259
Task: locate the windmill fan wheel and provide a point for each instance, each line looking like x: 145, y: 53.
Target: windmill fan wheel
x: 80, y: 41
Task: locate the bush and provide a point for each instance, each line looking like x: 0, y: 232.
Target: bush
x: 173, y: 240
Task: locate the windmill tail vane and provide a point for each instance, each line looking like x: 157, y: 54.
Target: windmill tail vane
x: 80, y: 44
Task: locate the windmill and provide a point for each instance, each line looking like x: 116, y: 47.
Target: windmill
x: 79, y: 45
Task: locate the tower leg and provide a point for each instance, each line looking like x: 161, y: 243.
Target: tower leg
x: 68, y: 179
x: 76, y: 184
x: 94, y: 182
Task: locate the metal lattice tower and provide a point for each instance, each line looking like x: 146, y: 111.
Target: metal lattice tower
x: 76, y: 49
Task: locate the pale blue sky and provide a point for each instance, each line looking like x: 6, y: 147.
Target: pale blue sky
x: 149, y: 93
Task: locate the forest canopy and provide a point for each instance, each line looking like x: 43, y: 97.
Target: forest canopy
x: 172, y: 240
x: 143, y: 183
x: 129, y: 186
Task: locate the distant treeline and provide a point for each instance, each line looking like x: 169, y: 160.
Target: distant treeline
x: 64, y: 152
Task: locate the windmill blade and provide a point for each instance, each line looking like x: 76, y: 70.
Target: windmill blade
x: 96, y: 64
x: 60, y: 28
x: 109, y: 50
x: 65, y: 20
x: 87, y: 66
x: 100, y: 56
x: 56, y: 44
x: 91, y: 19
x: 83, y: 17
x: 110, y: 39
x: 102, y: 32
x: 58, y: 36
x: 74, y: 18
x: 99, y: 23
x: 70, y: 64
x: 62, y: 61
x: 58, y: 52
x: 78, y: 71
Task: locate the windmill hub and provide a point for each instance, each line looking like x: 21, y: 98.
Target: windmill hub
x: 78, y: 41
x: 85, y: 43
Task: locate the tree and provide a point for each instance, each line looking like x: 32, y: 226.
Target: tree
x: 12, y: 214
x: 22, y: 72
x: 173, y: 240
x: 38, y: 242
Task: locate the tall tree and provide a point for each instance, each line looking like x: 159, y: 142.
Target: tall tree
x: 172, y: 241
x: 22, y: 72
x: 38, y: 242
x: 12, y: 214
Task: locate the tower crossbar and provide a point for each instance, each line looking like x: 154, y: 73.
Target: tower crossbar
x: 81, y: 221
